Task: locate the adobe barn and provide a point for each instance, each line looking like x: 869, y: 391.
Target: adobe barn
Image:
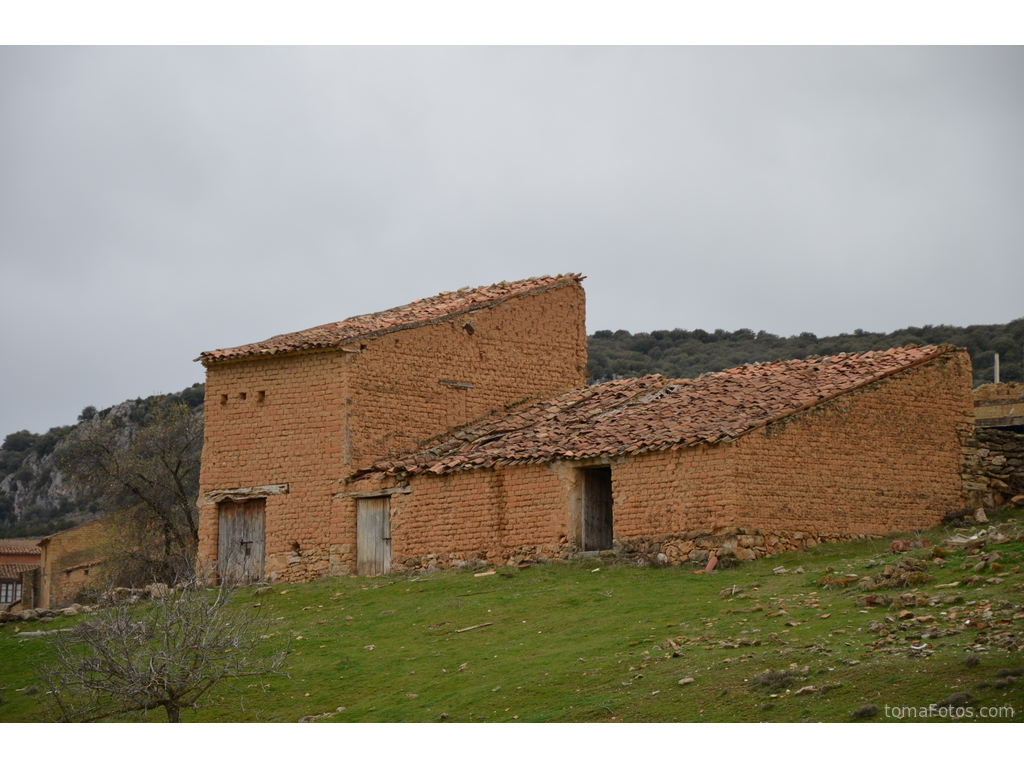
x: 288, y: 417
x: 458, y: 429
x: 738, y: 464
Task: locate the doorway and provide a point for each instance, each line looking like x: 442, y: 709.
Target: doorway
x: 373, y: 536
x: 597, y: 508
x: 241, y: 542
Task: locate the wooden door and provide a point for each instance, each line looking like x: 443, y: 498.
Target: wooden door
x: 241, y: 545
x: 597, y: 508
x: 373, y: 536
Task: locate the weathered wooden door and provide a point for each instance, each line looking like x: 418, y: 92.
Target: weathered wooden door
x: 373, y: 536
x: 241, y: 545
x: 597, y: 508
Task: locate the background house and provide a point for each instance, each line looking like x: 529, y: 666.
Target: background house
x: 16, y: 557
x: 70, y: 563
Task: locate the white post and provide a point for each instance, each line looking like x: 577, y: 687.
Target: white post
x: 997, y: 369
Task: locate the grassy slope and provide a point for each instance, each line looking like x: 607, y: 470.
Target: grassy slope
x: 570, y: 643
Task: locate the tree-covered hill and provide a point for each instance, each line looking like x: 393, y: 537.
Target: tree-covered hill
x: 36, y: 496
x: 686, y: 354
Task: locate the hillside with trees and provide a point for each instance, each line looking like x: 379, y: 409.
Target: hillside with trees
x: 42, y: 476
x: 682, y: 354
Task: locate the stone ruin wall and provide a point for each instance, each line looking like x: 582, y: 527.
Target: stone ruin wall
x: 994, y: 472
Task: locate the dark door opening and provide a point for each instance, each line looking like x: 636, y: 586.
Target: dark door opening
x: 241, y: 544
x: 597, y: 508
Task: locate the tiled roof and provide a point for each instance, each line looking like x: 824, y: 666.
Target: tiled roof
x: 420, y: 312
x: 630, y: 416
x: 14, y: 570
x: 89, y: 564
x: 18, y: 547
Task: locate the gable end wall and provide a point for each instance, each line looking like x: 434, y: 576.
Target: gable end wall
x: 882, y: 459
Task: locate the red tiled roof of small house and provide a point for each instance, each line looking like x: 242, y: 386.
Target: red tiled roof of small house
x: 18, y: 547
x: 14, y: 570
x: 435, y: 309
x: 631, y: 416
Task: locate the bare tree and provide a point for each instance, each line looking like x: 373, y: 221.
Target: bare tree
x: 171, y: 652
x: 148, y: 476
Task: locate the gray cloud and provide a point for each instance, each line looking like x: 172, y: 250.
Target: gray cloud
x: 157, y: 202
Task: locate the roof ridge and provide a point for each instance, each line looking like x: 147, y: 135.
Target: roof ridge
x: 424, y: 311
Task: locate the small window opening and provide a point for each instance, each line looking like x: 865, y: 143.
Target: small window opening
x: 223, y: 399
x: 362, y: 347
x: 296, y: 548
x: 261, y: 396
x: 468, y: 328
x: 241, y: 397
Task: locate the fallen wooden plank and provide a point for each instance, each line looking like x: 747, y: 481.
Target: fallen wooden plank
x: 475, y: 626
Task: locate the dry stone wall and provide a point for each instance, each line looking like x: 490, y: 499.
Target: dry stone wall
x: 995, y: 468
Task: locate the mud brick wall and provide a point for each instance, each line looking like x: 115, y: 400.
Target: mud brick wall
x: 308, y: 419
x: 479, y: 516
x: 885, y: 458
x: 409, y: 386
x: 274, y: 421
x: 81, y: 544
x: 674, y: 491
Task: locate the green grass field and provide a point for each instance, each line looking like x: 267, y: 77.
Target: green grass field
x: 588, y: 641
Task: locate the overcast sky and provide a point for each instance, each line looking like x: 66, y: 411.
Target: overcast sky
x: 159, y: 202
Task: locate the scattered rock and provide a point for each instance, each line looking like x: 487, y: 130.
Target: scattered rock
x: 686, y: 681
x: 807, y: 689
x: 868, y: 710
x: 264, y: 591
x: 960, y: 699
